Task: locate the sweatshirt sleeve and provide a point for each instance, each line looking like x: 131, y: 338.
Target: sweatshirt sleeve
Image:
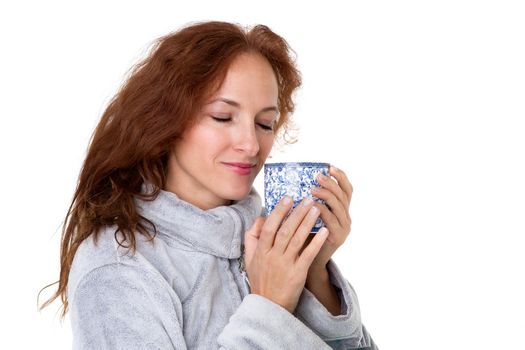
x: 115, y: 307
x: 259, y: 323
x: 344, y: 331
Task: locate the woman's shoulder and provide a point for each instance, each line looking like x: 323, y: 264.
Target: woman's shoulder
x: 107, y: 281
x: 153, y: 262
x: 99, y: 253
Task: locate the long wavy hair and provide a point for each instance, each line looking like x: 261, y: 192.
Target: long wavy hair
x: 157, y: 102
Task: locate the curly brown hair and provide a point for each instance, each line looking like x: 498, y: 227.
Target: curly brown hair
x: 156, y: 104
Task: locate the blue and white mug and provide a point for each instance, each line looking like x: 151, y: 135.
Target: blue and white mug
x: 294, y: 179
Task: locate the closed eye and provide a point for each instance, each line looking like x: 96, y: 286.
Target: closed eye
x: 221, y: 120
x: 225, y: 120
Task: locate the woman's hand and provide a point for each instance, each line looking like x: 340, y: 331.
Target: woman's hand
x: 274, y: 266
x: 335, y: 214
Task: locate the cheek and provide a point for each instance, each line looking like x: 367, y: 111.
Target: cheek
x: 193, y: 144
x: 207, y: 141
x: 266, y: 144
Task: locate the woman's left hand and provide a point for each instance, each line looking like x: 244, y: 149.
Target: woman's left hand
x: 335, y: 214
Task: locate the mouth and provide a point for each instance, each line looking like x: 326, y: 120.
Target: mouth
x: 241, y: 168
x: 241, y: 165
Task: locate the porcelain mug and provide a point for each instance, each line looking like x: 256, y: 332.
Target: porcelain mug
x: 293, y: 179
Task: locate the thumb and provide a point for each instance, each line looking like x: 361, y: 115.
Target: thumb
x: 251, y: 238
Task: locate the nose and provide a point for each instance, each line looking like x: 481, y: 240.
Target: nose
x: 246, y: 140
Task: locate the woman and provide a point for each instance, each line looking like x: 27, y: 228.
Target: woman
x: 151, y: 254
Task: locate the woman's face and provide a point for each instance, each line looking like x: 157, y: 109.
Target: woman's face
x: 246, y: 104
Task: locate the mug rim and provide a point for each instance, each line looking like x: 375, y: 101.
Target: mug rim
x: 298, y: 164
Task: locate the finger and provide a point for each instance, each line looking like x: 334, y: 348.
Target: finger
x: 307, y: 241
x: 333, y: 186
x: 290, y: 225
x: 331, y: 222
x: 273, y: 221
x: 310, y: 252
x: 255, y: 230
x: 303, y: 231
x: 251, y: 238
x: 337, y: 209
x: 343, y: 181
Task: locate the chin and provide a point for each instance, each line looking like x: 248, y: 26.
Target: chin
x: 237, y: 194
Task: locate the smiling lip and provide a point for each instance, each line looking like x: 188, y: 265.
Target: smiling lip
x: 241, y: 168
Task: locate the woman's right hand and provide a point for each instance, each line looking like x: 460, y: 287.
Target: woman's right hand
x: 274, y: 266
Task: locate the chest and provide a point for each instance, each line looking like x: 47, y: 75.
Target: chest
x: 217, y: 292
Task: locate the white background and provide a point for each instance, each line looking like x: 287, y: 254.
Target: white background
x: 421, y: 103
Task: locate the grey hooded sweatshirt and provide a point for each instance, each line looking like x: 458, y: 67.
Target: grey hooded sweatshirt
x: 186, y: 288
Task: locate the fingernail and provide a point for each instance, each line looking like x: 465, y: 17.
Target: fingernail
x: 287, y: 200
x: 323, y: 231
x: 307, y: 201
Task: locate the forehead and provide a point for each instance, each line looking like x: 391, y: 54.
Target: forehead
x: 250, y: 79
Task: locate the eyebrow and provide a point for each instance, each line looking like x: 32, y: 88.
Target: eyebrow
x: 237, y: 104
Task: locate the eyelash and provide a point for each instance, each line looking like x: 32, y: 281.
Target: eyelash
x: 220, y: 120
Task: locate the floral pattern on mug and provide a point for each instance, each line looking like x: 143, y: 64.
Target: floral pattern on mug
x: 294, y: 179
